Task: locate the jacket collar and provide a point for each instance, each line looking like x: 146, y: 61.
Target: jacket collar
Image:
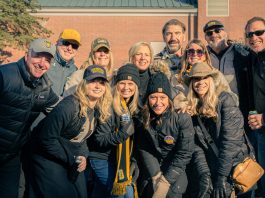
x: 61, y: 61
x: 28, y: 79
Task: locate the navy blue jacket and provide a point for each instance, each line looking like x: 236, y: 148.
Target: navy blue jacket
x: 21, y: 101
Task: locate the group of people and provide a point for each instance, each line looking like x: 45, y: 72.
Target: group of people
x: 166, y: 125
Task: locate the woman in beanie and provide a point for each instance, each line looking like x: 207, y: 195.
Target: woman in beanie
x: 164, y: 141
x: 100, y: 54
x: 222, y: 146
x: 112, y: 143
x: 59, y: 148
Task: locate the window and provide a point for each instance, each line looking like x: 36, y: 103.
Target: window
x: 217, y: 8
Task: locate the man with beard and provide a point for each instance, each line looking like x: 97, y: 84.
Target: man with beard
x: 232, y: 60
x: 174, y: 37
x: 255, y: 39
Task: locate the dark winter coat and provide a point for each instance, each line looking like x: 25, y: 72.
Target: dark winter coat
x: 54, y: 154
x: 21, y: 101
x: 166, y: 147
x: 227, y: 133
x: 258, y: 75
x: 103, y: 143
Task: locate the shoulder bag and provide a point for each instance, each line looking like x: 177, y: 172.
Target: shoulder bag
x: 245, y: 174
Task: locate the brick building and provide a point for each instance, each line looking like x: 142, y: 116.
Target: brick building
x: 124, y: 22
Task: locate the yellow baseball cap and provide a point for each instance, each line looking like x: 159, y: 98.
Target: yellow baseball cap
x: 71, y: 34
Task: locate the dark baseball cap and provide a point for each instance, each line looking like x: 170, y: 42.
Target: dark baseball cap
x: 95, y: 71
x: 212, y: 24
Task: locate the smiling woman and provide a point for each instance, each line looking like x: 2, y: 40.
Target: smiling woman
x: 101, y: 55
x: 59, y: 145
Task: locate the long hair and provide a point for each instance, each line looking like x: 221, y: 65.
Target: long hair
x: 91, y: 60
x: 135, y: 48
x: 184, y: 58
x: 205, y: 106
x: 133, y: 105
x: 103, y: 104
x: 146, y: 113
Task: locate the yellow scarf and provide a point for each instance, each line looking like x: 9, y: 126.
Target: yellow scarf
x: 123, y: 177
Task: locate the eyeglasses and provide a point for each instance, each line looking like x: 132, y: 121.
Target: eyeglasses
x: 67, y: 43
x: 192, y: 52
x: 210, y: 33
x: 257, y: 33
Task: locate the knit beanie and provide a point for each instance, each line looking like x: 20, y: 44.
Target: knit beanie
x: 128, y: 72
x: 159, y: 83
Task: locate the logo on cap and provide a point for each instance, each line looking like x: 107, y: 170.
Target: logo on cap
x: 47, y: 44
x: 169, y: 139
x: 160, y: 89
x: 129, y: 78
x: 97, y: 70
x: 211, y: 23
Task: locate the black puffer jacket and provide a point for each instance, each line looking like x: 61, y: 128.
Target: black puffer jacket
x: 103, y: 143
x: 21, y: 101
x: 166, y: 147
x: 227, y: 133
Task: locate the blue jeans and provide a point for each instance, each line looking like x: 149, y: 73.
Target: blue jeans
x: 103, y: 174
x: 129, y: 193
x: 261, y: 157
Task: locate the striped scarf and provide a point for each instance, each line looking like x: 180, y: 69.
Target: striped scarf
x: 123, y: 177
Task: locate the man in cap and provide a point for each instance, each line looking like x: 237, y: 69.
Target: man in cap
x: 25, y: 91
x: 232, y: 60
x: 255, y: 39
x: 174, y: 36
x: 63, y: 65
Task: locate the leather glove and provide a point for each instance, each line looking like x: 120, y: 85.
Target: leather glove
x: 126, y: 124
x: 162, y: 188
x: 205, y: 186
x: 220, y: 187
x: 134, y: 171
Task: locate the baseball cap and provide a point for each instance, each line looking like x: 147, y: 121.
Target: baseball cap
x: 95, y: 71
x: 71, y: 34
x: 212, y: 24
x: 42, y: 45
x: 98, y: 43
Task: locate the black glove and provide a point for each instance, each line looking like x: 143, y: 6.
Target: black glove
x: 205, y: 186
x: 221, y: 188
x: 126, y: 124
x: 134, y: 171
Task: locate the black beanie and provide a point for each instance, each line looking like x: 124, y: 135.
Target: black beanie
x: 128, y: 72
x: 159, y: 83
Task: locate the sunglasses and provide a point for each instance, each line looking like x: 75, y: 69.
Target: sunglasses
x: 200, y: 78
x: 257, y: 33
x: 103, y: 49
x: 192, y: 52
x: 210, y: 33
x: 67, y: 43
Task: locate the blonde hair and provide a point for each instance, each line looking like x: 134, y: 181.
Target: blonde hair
x: 133, y: 106
x: 184, y: 58
x: 135, y: 48
x: 103, y: 104
x: 205, y: 106
x: 91, y: 61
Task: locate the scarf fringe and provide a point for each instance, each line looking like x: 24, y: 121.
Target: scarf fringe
x: 119, y: 189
